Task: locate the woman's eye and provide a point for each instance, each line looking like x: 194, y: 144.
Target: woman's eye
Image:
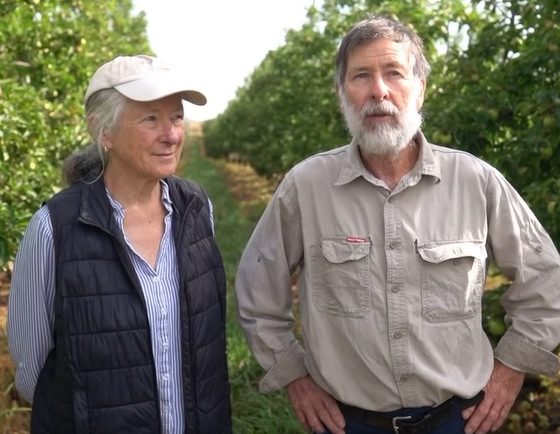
x: 178, y: 119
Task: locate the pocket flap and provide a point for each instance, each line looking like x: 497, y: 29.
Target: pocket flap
x: 436, y: 253
x: 338, y: 251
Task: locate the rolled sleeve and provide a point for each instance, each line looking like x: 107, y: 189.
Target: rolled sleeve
x: 518, y: 353
x: 288, y: 369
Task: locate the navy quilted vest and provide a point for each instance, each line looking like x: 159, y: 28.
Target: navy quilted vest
x: 100, y: 377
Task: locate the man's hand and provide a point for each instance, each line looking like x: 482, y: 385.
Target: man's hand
x: 315, y: 408
x: 502, y: 389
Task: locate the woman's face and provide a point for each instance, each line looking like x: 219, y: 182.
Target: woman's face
x: 147, y: 140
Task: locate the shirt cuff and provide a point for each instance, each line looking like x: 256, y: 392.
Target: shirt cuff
x: 289, y: 368
x: 520, y: 354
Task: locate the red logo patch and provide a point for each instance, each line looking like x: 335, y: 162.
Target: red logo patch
x: 352, y: 239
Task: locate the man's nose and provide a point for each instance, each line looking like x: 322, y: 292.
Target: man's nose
x: 379, y: 89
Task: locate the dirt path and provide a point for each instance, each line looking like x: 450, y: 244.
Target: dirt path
x: 4, y: 287
x: 245, y: 185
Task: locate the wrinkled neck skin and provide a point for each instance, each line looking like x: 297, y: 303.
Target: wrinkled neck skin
x: 390, y: 168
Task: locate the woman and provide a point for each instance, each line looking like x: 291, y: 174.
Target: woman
x: 117, y: 305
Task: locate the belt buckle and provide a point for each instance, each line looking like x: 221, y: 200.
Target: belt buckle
x: 395, y: 421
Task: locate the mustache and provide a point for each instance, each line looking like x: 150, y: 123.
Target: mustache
x: 379, y: 108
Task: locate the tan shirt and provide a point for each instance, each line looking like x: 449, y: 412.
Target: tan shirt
x: 391, y: 281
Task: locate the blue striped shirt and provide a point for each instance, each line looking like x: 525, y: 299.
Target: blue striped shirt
x: 31, y: 309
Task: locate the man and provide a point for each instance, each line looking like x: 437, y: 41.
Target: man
x: 392, y: 236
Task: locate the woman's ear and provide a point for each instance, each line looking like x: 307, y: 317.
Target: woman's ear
x: 105, y: 139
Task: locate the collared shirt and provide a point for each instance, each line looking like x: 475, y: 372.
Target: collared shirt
x: 391, y: 282
x: 32, y: 296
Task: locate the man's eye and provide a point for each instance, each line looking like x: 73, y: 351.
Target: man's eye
x: 361, y: 75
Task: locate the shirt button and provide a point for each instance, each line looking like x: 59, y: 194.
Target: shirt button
x: 156, y: 279
x: 397, y: 335
x: 395, y: 289
x: 394, y: 244
x: 405, y: 377
x: 538, y: 249
x: 390, y: 200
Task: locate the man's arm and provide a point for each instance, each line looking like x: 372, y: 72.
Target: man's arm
x: 527, y: 256
x: 264, y: 301
x: 263, y: 288
x: 31, y: 303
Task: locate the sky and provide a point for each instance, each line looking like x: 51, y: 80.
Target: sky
x: 218, y: 42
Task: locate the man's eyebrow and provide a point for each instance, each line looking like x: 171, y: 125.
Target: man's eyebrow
x: 394, y: 64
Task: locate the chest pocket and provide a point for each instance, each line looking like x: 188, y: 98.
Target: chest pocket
x: 452, y: 280
x: 340, y: 277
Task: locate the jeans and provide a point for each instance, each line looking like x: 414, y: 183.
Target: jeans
x: 455, y: 425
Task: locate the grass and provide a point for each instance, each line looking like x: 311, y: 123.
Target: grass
x: 253, y: 412
x: 14, y: 413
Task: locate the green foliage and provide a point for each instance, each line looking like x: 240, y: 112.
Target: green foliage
x: 48, y: 51
x: 284, y: 117
x: 494, y: 91
x: 288, y: 108
x: 253, y: 413
x: 493, y: 314
x: 500, y: 98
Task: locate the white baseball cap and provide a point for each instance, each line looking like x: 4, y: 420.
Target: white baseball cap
x: 142, y: 78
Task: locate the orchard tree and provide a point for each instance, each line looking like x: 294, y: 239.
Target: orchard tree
x: 494, y: 90
x: 499, y: 97
x: 48, y: 51
x: 288, y: 108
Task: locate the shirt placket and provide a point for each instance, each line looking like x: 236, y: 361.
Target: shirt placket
x: 397, y: 309
x: 163, y: 336
x: 164, y: 323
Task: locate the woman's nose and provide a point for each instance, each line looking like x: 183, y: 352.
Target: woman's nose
x: 172, y: 133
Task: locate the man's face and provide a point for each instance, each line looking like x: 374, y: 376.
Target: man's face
x: 381, y: 97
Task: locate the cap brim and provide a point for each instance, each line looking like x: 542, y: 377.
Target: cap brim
x: 157, y: 86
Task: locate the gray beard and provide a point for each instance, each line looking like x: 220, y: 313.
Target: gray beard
x: 387, y: 139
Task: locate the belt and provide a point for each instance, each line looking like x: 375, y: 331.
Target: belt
x: 409, y: 424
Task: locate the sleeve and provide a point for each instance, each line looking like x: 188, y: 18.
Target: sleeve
x: 526, y: 255
x: 264, y: 289
x: 31, y: 303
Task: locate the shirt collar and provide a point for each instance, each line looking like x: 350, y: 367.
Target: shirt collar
x: 165, y: 200
x: 353, y: 166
